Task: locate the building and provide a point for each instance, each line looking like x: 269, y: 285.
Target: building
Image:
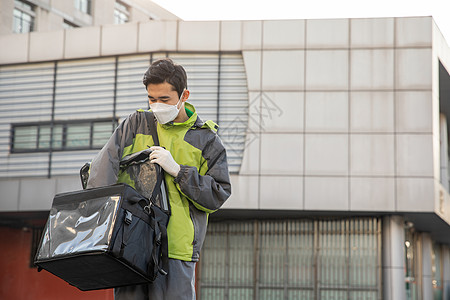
x: 336, y: 133
x: 20, y: 16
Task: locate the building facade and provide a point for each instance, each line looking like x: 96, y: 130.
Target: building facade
x: 336, y: 135
x: 22, y: 16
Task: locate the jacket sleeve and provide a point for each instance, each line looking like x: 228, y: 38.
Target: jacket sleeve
x: 207, y: 192
x: 105, y: 165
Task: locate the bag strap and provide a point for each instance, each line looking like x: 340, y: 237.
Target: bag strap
x: 160, y: 258
x: 152, y: 127
x: 151, y: 121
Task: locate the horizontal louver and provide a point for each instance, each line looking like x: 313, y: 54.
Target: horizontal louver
x: 131, y: 93
x: 85, y: 89
x: 25, y: 96
x: 111, y: 87
x: 70, y: 162
x: 218, y: 88
x: 233, y: 108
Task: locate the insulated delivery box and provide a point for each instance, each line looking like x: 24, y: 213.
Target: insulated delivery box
x: 109, y: 236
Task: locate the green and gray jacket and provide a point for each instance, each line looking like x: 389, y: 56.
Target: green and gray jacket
x: 201, y: 187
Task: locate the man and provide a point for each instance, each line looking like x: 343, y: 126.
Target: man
x: 196, y: 174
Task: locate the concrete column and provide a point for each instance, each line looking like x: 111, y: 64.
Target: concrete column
x: 446, y: 273
x: 393, y: 258
x: 427, y: 276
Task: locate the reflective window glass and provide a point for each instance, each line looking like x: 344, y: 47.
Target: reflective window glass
x: 25, y: 137
x: 411, y: 262
x: 58, y: 131
x: 66, y: 136
x: 44, y: 137
x: 120, y: 13
x: 436, y: 271
x: 83, y: 6
x: 101, y: 133
x: 78, y: 135
x: 292, y: 259
x: 23, y: 17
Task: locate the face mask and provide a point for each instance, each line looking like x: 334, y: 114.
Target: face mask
x: 165, y: 113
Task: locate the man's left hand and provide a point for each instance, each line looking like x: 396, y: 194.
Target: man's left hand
x: 164, y: 158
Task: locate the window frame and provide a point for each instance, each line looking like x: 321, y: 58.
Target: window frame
x: 24, y: 8
x: 121, y: 13
x: 64, y: 137
x: 277, y: 241
x: 412, y: 259
x: 84, y: 6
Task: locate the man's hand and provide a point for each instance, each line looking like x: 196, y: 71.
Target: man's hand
x: 164, y: 158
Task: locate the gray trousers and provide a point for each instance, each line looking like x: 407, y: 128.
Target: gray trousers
x: 178, y: 284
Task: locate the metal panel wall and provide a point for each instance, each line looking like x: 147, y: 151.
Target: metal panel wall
x: 26, y: 94
x: 131, y: 93
x: 111, y: 87
x: 70, y: 162
x: 218, y: 86
x: 85, y: 89
x: 292, y: 259
x: 233, y: 108
x: 203, y: 73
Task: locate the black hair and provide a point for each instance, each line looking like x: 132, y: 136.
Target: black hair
x: 165, y: 70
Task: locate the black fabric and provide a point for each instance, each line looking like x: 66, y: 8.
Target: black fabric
x: 151, y: 121
x: 160, y: 257
x: 125, y: 246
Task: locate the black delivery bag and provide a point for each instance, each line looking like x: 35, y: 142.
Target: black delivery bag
x: 103, y: 238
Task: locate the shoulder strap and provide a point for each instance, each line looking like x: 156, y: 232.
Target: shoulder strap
x: 151, y: 121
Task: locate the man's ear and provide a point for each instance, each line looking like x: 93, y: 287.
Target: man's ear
x: 185, y: 95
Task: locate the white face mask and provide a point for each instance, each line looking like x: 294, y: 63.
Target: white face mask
x: 165, y: 113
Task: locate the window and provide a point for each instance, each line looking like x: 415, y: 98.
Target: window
x: 92, y: 134
x: 120, y: 13
x: 23, y: 19
x: 437, y: 271
x: 444, y: 119
x: 83, y: 6
x: 292, y: 259
x: 411, y: 263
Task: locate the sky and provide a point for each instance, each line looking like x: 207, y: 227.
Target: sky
x: 192, y: 10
